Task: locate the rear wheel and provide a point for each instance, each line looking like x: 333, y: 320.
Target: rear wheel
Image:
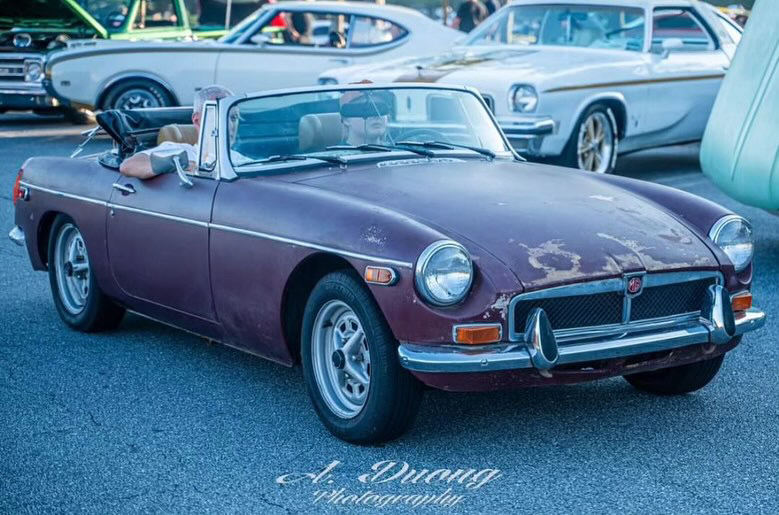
x: 78, y: 299
x: 677, y: 380
x: 593, y: 143
x: 137, y: 94
x: 350, y: 364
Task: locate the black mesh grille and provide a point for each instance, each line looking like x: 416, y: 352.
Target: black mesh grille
x: 671, y: 299
x: 570, y: 312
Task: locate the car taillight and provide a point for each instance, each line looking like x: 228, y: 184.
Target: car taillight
x: 18, y: 192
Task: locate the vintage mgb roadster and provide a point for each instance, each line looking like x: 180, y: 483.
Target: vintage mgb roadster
x: 387, y: 237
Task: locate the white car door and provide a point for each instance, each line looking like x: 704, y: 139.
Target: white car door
x: 686, y: 69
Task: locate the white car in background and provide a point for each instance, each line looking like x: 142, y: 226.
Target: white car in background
x: 579, y: 81
x: 256, y: 55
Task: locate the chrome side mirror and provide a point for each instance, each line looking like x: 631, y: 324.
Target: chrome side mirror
x: 671, y: 45
x: 162, y: 162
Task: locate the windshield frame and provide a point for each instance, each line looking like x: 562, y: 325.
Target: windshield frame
x: 227, y: 170
x: 483, y: 27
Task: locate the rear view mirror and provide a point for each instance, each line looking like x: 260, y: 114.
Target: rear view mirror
x: 165, y: 162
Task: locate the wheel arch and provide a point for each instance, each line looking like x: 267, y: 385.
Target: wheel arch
x: 613, y: 100
x: 43, y: 234
x: 123, y: 77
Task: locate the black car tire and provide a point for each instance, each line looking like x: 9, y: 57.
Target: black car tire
x: 99, y: 313
x: 153, y: 91
x: 394, y: 395
x: 570, y: 155
x: 677, y: 380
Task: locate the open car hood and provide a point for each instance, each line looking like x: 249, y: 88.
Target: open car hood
x: 47, y: 14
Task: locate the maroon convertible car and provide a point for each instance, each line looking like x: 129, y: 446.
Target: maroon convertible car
x: 387, y: 237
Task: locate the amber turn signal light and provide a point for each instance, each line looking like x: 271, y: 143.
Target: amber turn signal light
x: 380, y: 275
x: 477, y: 334
x: 741, y: 301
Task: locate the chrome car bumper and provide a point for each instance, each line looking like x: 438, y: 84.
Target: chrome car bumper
x: 541, y: 351
x: 527, y: 133
x: 17, y: 235
x: 22, y: 96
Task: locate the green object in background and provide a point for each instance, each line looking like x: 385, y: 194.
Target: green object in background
x: 740, y: 150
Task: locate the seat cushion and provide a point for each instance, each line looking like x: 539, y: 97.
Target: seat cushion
x: 319, y: 131
x: 176, y: 133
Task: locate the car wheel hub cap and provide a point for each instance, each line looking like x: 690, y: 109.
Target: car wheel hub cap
x: 341, y: 359
x: 595, y: 144
x: 71, y: 267
x: 137, y: 99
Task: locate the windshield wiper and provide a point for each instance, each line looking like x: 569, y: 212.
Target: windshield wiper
x: 295, y: 157
x: 450, y: 146
x: 371, y: 147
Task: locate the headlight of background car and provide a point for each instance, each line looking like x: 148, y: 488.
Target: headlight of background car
x: 444, y: 273
x: 524, y: 98
x: 33, y: 71
x: 733, y: 235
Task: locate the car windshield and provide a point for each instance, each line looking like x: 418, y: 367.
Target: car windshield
x: 110, y: 13
x: 564, y: 25
x: 334, y: 124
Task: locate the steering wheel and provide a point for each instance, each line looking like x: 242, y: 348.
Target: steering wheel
x: 422, y: 135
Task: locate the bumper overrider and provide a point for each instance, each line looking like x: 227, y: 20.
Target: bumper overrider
x: 17, y: 235
x: 540, y: 349
x: 526, y: 133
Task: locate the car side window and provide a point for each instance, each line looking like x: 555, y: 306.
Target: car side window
x: 369, y: 31
x: 680, y: 24
x: 303, y: 28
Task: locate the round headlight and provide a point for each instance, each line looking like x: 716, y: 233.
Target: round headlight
x: 524, y: 99
x: 33, y: 71
x: 444, y: 273
x: 733, y: 235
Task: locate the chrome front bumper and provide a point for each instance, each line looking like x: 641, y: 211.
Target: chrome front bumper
x: 541, y: 351
x: 527, y: 126
x: 17, y: 235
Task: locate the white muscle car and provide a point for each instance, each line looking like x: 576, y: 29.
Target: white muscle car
x: 279, y: 46
x: 579, y: 81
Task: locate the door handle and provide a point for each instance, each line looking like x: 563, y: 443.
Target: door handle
x: 124, y: 189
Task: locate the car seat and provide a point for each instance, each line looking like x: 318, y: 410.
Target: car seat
x: 316, y: 132
x: 176, y: 133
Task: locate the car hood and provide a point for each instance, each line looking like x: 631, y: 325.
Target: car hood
x: 32, y: 15
x: 549, y: 225
x: 523, y: 63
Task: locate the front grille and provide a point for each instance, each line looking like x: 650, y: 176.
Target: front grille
x: 577, y: 311
x: 664, y: 298
x: 11, y: 69
x: 669, y: 300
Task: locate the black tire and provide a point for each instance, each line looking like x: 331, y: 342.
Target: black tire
x: 570, y: 155
x: 149, y: 93
x: 98, y: 313
x: 79, y: 116
x: 394, y: 395
x: 677, y: 380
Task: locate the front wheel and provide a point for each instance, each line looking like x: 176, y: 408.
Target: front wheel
x: 350, y: 364
x: 592, y: 146
x: 137, y: 94
x: 80, y: 302
x: 677, y: 380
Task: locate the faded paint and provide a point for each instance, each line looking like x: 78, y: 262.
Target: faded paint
x: 558, y: 264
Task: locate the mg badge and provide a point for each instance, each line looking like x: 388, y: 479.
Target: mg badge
x: 634, y: 285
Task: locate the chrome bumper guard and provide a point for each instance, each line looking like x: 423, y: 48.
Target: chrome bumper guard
x: 717, y: 325
x: 529, y: 127
x: 17, y: 235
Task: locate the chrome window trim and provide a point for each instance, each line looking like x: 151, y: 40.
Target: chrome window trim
x: 610, y: 286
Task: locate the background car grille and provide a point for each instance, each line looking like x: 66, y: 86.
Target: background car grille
x: 11, y: 69
x: 669, y: 300
x: 598, y: 309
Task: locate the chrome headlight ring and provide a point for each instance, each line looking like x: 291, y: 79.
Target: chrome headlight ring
x: 33, y: 70
x: 523, y: 98
x: 733, y: 234
x: 444, y: 273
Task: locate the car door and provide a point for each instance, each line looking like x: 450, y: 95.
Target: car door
x: 157, y: 237
x: 686, y: 69
x: 274, y: 55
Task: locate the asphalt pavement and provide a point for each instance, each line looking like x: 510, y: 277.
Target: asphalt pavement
x: 151, y: 419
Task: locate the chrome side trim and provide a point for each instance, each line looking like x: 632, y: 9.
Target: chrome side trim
x: 17, y: 235
x: 63, y: 194
x: 605, y: 286
x: 513, y: 356
x: 256, y: 234
x: 290, y: 241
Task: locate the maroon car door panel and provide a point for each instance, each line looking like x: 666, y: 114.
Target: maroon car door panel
x: 157, y: 234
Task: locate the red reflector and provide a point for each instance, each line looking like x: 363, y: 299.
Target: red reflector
x: 18, y: 193
x: 380, y: 275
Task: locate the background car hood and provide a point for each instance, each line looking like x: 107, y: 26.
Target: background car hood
x: 40, y: 14
x: 549, y: 225
x: 526, y: 63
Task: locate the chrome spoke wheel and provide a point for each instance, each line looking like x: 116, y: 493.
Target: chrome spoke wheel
x: 71, y: 266
x: 341, y: 359
x: 595, y: 145
x: 137, y: 98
